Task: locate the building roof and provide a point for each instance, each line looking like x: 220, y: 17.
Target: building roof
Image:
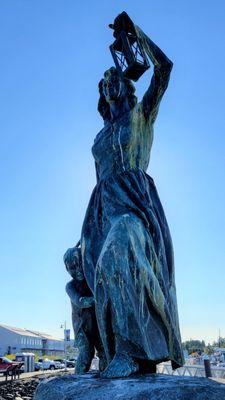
x: 31, y: 333
x: 43, y: 335
x: 19, y: 331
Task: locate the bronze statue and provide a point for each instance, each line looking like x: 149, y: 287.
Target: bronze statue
x: 86, y: 334
x: 127, y: 253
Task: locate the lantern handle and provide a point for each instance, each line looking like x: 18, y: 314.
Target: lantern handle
x: 122, y: 23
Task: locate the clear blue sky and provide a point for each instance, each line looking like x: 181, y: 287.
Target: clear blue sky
x: 53, y: 53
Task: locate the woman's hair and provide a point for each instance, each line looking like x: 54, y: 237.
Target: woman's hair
x: 103, y: 106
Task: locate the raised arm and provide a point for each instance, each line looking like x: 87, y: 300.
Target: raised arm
x: 160, y: 78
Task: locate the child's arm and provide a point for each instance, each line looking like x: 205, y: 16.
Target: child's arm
x: 72, y: 293
x: 76, y: 298
x: 86, y: 302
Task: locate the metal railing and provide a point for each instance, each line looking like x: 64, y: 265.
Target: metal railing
x: 190, y: 370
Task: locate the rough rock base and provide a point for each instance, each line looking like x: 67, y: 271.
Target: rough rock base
x: 142, y: 387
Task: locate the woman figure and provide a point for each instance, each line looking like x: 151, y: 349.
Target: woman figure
x: 126, y: 245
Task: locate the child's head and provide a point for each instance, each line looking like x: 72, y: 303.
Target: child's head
x: 73, y: 263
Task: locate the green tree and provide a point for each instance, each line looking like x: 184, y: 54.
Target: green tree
x: 193, y: 346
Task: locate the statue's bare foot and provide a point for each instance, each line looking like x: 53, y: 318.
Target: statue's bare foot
x: 121, y: 366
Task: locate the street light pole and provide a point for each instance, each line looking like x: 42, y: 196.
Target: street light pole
x: 64, y: 342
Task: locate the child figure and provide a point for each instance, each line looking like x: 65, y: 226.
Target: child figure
x: 85, y: 327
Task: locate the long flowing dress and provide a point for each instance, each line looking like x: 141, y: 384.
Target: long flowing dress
x: 127, y: 249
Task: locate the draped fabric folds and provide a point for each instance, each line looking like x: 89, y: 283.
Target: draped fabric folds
x: 127, y: 249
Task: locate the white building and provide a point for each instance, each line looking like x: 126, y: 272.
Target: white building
x: 13, y: 340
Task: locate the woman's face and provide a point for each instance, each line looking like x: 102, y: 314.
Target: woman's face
x: 113, y: 86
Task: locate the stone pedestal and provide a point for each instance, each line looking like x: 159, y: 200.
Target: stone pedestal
x: 141, y: 387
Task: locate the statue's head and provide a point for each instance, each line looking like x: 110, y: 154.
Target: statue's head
x: 73, y: 262
x: 114, y: 88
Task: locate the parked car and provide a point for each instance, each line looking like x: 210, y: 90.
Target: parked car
x: 67, y: 363
x: 37, y: 366
x: 70, y: 363
x: 60, y: 360
x: 5, y: 363
x: 46, y: 364
x: 59, y: 364
x: 50, y: 364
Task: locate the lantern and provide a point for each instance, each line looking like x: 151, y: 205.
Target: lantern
x: 127, y: 51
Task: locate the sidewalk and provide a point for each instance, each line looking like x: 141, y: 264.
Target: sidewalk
x: 40, y: 374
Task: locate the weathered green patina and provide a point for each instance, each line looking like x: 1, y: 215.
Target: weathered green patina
x: 127, y: 252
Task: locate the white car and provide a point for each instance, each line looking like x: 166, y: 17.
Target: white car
x: 50, y: 364
x: 47, y: 364
x: 59, y: 365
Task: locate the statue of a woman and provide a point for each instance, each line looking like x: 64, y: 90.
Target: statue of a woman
x: 126, y: 245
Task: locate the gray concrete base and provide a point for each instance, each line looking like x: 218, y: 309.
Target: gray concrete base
x: 142, y: 387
